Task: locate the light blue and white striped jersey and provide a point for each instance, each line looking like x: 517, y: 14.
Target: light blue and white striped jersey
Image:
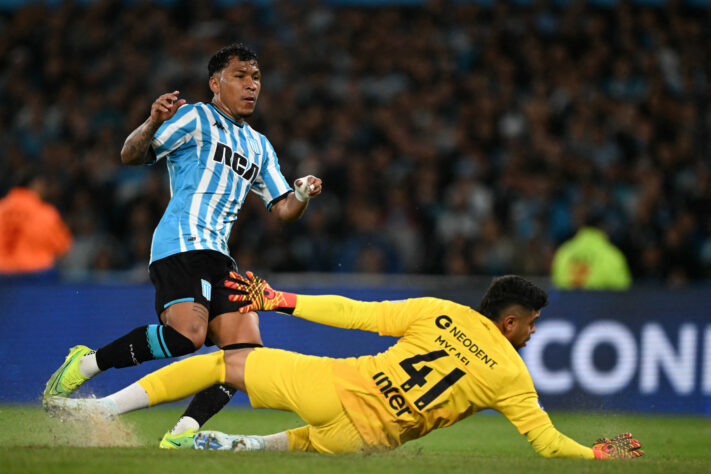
x: 212, y: 162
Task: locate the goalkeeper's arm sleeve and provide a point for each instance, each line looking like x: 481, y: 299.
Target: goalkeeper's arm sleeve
x: 338, y: 311
x: 551, y: 443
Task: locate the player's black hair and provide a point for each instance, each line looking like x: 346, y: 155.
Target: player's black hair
x: 219, y: 60
x: 508, y: 290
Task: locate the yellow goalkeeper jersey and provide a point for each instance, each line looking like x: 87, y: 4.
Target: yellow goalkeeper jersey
x: 449, y: 363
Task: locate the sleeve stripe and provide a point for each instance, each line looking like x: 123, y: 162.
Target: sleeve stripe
x: 175, y: 132
x: 270, y: 183
x: 276, y: 200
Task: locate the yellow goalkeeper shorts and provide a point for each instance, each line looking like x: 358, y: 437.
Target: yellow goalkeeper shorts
x: 284, y: 380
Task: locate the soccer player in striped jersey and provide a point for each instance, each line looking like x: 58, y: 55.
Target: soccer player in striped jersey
x: 214, y: 159
x: 449, y: 362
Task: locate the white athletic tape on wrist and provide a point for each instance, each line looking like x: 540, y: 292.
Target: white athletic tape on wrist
x: 301, y: 191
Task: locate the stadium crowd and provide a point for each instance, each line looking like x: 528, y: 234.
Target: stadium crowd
x: 452, y: 138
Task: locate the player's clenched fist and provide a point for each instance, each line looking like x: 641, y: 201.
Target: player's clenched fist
x: 165, y: 106
x: 307, y: 187
x: 258, y: 295
x: 622, y: 446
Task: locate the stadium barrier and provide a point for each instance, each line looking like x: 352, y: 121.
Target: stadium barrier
x: 643, y: 350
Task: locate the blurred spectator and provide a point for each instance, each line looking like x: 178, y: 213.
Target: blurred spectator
x: 32, y: 233
x: 475, y: 129
x: 366, y: 249
x: 589, y: 261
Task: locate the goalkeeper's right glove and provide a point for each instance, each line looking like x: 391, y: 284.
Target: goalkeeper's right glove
x: 622, y: 446
x: 258, y: 295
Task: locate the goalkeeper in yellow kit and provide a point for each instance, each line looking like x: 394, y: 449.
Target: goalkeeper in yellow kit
x: 450, y: 362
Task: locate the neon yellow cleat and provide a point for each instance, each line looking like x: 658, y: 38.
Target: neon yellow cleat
x: 67, y: 378
x: 178, y: 441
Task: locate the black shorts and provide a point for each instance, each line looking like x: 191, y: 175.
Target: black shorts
x: 197, y: 275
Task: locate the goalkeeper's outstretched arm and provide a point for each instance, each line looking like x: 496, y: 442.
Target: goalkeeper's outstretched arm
x: 331, y: 310
x: 551, y: 443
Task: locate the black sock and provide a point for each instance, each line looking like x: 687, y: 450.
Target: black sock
x: 144, y: 343
x: 208, y: 402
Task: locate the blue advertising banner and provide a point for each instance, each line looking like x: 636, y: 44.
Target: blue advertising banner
x: 637, y: 350
x: 42, y: 321
x: 641, y: 350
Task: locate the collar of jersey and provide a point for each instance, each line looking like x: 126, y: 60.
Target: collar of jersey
x: 239, y: 124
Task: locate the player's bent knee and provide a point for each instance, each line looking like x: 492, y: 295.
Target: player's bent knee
x: 189, y: 319
x: 235, y: 328
x: 195, y: 332
x: 197, y: 340
x: 178, y: 344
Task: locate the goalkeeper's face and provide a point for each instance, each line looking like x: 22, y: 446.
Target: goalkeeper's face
x: 521, y: 327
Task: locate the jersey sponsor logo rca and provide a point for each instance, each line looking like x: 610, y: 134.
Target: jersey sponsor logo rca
x: 238, y: 163
x: 458, y: 339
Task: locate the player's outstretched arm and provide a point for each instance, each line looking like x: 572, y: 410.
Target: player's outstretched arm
x: 135, y: 148
x: 551, y: 443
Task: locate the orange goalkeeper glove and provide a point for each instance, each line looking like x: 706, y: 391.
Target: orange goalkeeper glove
x: 623, y: 446
x: 258, y: 295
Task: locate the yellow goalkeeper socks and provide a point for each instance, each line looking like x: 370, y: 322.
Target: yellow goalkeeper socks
x: 184, y: 378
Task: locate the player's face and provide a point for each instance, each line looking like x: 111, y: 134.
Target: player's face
x: 523, y: 328
x: 237, y: 87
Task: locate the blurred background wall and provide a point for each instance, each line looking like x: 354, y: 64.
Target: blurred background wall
x: 454, y: 138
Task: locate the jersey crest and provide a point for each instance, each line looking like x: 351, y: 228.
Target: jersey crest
x: 254, y: 146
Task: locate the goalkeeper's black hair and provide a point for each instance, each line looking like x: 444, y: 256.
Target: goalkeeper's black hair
x: 220, y: 59
x: 508, y: 290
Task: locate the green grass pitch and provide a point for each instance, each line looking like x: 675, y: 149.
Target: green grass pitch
x: 485, y: 443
